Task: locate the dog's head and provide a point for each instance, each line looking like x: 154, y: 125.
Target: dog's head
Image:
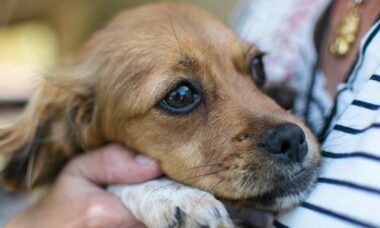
x: 174, y: 83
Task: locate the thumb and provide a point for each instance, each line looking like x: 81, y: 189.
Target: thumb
x: 113, y: 165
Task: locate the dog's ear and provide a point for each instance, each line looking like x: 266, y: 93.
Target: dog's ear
x: 57, y: 124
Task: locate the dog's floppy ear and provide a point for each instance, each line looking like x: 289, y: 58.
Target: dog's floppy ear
x: 57, y: 124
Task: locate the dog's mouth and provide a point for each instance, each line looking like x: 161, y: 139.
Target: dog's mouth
x: 292, y: 167
x: 298, y: 174
x: 285, y: 194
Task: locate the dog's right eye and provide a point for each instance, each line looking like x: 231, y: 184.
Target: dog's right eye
x: 182, y: 99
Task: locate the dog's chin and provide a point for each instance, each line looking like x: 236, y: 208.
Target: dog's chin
x: 284, y: 196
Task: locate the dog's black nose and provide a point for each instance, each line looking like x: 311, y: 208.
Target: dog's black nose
x: 287, y: 140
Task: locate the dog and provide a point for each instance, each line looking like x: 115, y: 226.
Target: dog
x: 174, y: 83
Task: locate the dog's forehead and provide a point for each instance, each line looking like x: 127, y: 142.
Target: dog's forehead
x: 156, y: 45
x: 166, y: 20
x: 160, y: 35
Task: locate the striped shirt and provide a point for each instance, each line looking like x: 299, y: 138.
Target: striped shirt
x: 347, y: 193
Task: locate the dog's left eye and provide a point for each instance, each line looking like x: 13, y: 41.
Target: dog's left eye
x: 256, y: 67
x: 182, y: 99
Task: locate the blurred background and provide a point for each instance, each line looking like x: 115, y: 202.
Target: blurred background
x: 36, y: 35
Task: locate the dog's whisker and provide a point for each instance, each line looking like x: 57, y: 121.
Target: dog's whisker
x: 265, y: 36
x: 175, y: 35
x: 205, y: 165
x: 325, y: 135
x: 212, y: 158
x: 190, y: 178
x: 332, y: 146
x: 197, y: 167
x: 203, y: 175
x: 204, y: 194
x: 336, y: 137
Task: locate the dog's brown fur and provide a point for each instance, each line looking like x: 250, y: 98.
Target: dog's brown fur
x: 109, y: 94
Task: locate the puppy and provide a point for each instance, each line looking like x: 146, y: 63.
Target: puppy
x: 174, y: 83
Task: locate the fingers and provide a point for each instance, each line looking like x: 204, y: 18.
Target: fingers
x: 113, y: 165
x: 106, y: 212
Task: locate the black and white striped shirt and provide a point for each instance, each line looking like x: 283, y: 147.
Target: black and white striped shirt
x: 348, y: 190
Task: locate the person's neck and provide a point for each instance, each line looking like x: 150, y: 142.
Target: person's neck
x: 336, y: 68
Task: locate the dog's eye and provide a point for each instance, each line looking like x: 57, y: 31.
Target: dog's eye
x: 183, y: 98
x: 180, y: 97
x: 257, y: 71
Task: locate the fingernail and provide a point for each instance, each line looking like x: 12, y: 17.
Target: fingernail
x: 144, y: 160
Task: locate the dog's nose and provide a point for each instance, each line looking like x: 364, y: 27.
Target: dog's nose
x: 286, y: 140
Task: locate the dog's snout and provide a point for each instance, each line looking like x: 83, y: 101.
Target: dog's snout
x: 286, y: 140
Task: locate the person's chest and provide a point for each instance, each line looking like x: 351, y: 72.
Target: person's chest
x: 337, y: 67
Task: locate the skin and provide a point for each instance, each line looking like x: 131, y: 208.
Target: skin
x: 336, y: 68
x: 76, y: 198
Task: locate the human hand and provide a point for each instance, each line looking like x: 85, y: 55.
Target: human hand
x: 76, y: 198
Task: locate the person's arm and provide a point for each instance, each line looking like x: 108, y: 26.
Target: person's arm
x: 76, y: 198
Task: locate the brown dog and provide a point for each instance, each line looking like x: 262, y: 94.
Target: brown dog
x: 174, y: 83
